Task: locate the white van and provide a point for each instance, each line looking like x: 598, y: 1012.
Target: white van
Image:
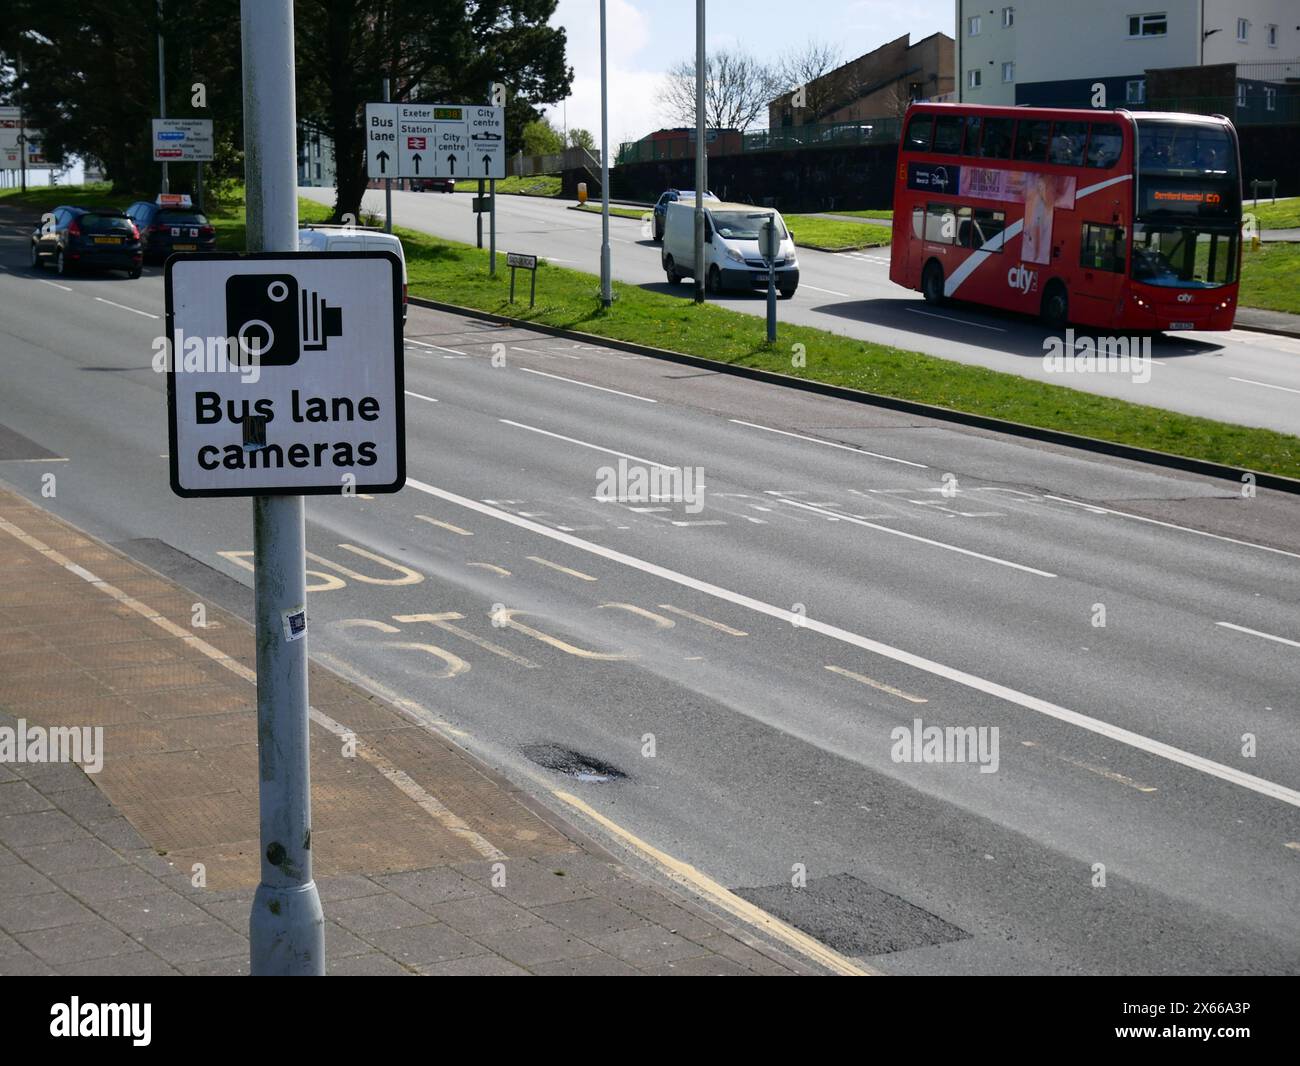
x: 731, y: 255
x: 351, y: 239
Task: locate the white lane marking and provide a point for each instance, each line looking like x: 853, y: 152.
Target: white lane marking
x: 584, y: 444
x: 829, y: 443
x: 1158, y: 748
x: 1265, y: 385
x: 418, y: 396
x: 1095, y: 509
x: 949, y: 318
x: 426, y: 344
x: 553, y: 259
x: 853, y: 519
x: 830, y: 292
x: 133, y: 310
x: 1257, y: 633
x: 876, y: 684
x: 586, y: 385
x: 65, y: 288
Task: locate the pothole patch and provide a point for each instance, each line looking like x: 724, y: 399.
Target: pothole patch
x: 852, y: 917
x: 572, y: 763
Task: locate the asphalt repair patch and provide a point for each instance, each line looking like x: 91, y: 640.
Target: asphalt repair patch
x: 853, y: 917
x: 13, y: 445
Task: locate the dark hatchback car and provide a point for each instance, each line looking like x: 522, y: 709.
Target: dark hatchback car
x: 74, y: 237
x: 166, y: 229
x: 669, y: 197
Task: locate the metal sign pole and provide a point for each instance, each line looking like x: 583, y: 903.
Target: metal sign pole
x: 492, y: 228
x: 388, y: 182
x: 287, y: 926
x: 700, y: 186
x: 478, y: 216
x: 606, y: 295
x: 162, y: 89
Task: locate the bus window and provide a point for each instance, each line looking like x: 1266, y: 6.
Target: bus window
x: 918, y: 133
x: 1068, y: 139
x: 1104, y: 145
x: 1102, y: 248
x: 940, y: 224
x: 947, y: 134
x: 1031, y: 140
x: 997, y: 139
x: 977, y: 227
x: 972, y: 146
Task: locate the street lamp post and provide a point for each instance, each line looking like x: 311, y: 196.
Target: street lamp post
x: 606, y: 296
x: 701, y: 172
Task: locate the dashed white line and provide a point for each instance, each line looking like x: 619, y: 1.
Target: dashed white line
x: 1118, y: 734
x: 426, y: 344
x: 959, y: 321
x: 1265, y: 385
x: 1095, y: 509
x: 912, y: 536
x: 42, y: 281
x: 587, y: 385
x: 830, y: 292
x: 420, y: 396
x: 829, y: 443
x: 133, y: 310
x: 584, y: 444
x: 1257, y: 633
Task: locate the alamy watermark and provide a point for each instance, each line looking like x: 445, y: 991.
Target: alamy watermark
x: 920, y: 743
x: 640, y: 484
x: 80, y: 744
x: 1098, y: 355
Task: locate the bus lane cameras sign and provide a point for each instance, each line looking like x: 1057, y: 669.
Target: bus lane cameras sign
x: 284, y: 373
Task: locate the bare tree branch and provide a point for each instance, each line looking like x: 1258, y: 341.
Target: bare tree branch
x: 737, y: 87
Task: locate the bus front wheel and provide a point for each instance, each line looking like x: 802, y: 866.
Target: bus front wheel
x: 1056, y: 305
x: 932, y: 283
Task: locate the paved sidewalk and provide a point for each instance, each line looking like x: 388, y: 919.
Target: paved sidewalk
x: 149, y: 865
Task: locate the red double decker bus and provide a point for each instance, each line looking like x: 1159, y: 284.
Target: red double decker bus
x: 1116, y: 219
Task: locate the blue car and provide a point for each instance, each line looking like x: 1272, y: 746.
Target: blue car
x: 672, y: 196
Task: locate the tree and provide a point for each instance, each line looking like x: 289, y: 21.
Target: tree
x: 541, y: 138
x: 737, y: 88
x: 441, y: 51
x: 90, y: 80
x: 580, y: 138
x: 808, y: 68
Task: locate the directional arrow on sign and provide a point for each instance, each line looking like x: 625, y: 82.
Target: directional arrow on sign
x: 451, y: 163
x: 487, y: 164
x: 383, y: 161
x: 416, y: 160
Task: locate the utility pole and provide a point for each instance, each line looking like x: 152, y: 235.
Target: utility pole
x: 162, y: 88
x: 22, y: 127
x: 701, y: 174
x: 287, y: 926
x: 388, y: 182
x: 606, y: 295
x: 492, y: 194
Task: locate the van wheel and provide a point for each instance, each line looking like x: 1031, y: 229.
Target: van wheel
x: 714, y: 280
x: 787, y: 293
x: 932, y: 283
x: 670, y: 268
x: 1055, y: 309
x: 659, y: 230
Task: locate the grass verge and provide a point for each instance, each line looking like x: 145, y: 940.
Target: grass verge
x: 621, y: 212
x: 1268, y: 278
x: 1285, y: 214
x: 828, y: 235
x: 538, y: 185
x: 887, y: 213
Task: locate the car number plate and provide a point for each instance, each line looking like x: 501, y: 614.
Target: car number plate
x: 1182, y: 325
x: 185, y: 247
x: 108, y: 240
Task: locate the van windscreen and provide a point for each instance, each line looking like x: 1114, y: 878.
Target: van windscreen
x: 742, y: 225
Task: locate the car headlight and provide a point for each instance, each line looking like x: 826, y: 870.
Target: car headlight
x: 735, y: 256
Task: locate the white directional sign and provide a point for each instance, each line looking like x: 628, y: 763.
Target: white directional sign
x: 487, y: 141
x: 284, y: 373
x: 12, y: 136
x: 182, y: 140
x: 435, y: 141
x: 10, y: 128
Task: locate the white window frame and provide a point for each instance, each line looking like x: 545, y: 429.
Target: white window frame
x: 973, y: 78
x: 1241, y: 94
x: 1141, y: 94
x: 1008, y: 17
x: 1243, y: 30
x: 1270, y: 35
x: 1008, y: 67
x: 1162, y: 16
x: 1270, y: 98
x: 973, y: 26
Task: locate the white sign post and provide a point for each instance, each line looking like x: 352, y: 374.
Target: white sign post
x: 285, y: 374
x: 182, y: 140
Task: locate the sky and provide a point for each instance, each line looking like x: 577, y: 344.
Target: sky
x: 646, y: 37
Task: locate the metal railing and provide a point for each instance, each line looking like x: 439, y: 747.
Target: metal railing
x: 782, y: 138
x: 525, y: 166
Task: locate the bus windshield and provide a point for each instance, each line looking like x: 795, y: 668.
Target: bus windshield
x: 1185, y: 149
x: 1185, y: 257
